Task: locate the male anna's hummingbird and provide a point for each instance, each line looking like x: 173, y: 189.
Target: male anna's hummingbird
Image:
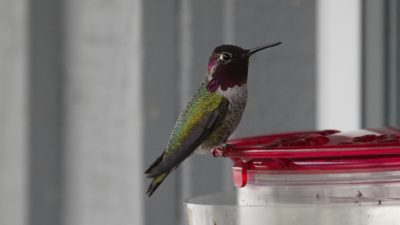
x: 211, y: 115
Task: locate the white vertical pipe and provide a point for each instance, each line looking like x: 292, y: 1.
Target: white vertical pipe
x: 103, y: 113
x: 338, y: 64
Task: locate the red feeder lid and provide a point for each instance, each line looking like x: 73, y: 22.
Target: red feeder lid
x: 327, y: 151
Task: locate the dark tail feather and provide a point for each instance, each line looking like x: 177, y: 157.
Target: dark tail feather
x: 155, y: 163
x: 155, y: 183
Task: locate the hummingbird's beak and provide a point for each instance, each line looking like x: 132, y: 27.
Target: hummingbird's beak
x: 254, y: 50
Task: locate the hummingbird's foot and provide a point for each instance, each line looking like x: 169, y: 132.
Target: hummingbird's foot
x: 222, y: 150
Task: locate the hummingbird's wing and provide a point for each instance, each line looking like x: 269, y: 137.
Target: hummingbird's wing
x: 202, y: 115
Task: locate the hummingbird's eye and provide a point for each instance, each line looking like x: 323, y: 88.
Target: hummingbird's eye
x: 225, y: 56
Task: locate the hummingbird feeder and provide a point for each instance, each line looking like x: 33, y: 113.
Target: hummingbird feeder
x: 308, y: 178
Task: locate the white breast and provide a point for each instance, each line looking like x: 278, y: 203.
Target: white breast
x: 235, y: 95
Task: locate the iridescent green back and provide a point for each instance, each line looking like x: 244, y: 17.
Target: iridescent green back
x: 202, y: 102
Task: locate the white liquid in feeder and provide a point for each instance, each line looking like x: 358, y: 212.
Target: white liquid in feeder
x: 354, y: 205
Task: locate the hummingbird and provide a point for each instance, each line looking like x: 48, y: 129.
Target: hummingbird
x: 211, y: 115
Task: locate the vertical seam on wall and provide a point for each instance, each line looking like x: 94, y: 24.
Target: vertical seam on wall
x: 392, y: 59
x: 363, y: 77
x: 228, y: 37
x: 185, y: 46
x: 140, y: 95
x: 386, y: 58
x: 229, y: 21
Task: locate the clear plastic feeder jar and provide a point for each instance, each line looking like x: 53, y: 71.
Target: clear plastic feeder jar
x: 308, y: 178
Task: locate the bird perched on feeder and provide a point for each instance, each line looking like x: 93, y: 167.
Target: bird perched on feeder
x: 212, y: 113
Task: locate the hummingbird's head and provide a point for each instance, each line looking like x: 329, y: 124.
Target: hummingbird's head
x: 228, y: 66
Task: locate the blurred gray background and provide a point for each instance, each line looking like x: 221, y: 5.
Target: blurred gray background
x: 90, y: 90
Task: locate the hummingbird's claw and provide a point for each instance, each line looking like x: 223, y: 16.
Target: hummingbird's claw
x: 222, y: 150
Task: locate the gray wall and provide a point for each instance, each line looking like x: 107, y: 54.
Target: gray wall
x: 90, y: 91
